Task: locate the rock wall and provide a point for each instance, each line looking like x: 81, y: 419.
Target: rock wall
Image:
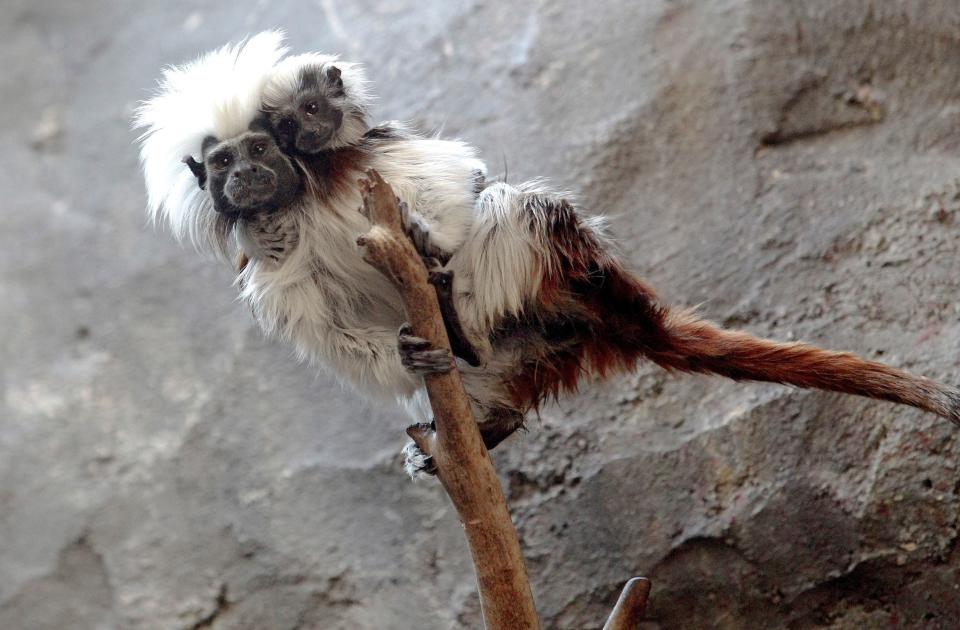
x: 791, y: 167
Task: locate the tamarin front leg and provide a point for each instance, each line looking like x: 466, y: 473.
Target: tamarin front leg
x: 418, y: 231
x: 419, y: 356
x: 442, y: 280
x: 269, y: 238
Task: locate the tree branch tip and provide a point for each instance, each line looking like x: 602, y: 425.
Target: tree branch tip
x: 376, y: 233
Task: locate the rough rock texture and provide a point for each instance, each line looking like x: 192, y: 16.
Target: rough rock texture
x: 791, y: 166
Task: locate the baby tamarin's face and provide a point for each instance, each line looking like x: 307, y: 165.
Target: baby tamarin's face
x: 310, y: 118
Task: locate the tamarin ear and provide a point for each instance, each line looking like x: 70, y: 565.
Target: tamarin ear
x: 198, y: 169
x: 333, y: 75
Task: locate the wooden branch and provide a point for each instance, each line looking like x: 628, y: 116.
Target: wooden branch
x: 628, y: 611
x: 463, y: 465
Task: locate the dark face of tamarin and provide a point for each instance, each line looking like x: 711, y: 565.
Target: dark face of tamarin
x: 247, y: 175
x: 310, y: 119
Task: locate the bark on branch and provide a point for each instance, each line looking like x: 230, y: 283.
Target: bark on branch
x: 464, y: 467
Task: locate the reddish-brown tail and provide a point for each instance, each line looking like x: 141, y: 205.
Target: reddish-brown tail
x: 694, y: 345
x: 615, y: 318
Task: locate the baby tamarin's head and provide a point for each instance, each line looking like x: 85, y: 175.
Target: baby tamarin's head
x: 315, y: 103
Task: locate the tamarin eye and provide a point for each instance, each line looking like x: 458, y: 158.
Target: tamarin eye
x: 311, y: 108
x: 224, y: 160
x: 259, y: 148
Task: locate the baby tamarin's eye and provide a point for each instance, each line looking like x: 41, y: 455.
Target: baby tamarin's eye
x: 259, y: 148
x: 311, y: 108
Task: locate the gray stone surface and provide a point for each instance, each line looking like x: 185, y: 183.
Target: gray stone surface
x: 791, y: 166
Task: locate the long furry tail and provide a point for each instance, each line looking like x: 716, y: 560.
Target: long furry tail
x: 691, y: 344
x: 621, y: 319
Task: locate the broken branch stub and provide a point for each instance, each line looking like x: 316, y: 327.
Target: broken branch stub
x: 628, y: 612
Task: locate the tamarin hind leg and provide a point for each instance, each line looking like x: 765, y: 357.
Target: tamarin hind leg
x: 497, y: 426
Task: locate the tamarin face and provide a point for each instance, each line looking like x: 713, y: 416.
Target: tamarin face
x: 309, y: 120
x: 247, y: 175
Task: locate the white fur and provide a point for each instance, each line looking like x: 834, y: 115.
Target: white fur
x: 435, y: 178
x: 499, y: 267
x: 331, y: 305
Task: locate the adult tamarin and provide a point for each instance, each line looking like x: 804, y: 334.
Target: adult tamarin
x: 539, y: 294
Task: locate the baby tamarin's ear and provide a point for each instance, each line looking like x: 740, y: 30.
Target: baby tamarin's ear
x: 242, y: 261
x: 333, y: 76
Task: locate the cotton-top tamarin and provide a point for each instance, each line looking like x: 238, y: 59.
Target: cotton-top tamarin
x: 538, y: 294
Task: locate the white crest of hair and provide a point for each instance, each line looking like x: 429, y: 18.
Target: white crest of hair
x: 218, y: 94
x: 284, y: 83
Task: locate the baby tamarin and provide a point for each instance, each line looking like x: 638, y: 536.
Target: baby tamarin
x: 540, y: 295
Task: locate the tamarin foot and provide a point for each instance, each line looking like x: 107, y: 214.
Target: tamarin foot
x: 421, y: 358
x: 417, y: 463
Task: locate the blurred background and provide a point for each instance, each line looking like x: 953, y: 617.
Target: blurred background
x: 790, y: 167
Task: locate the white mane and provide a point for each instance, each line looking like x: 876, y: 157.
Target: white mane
x: 218, y: 94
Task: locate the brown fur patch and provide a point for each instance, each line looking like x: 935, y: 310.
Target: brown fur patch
x: 580, y: 311
x: 333, y: 172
